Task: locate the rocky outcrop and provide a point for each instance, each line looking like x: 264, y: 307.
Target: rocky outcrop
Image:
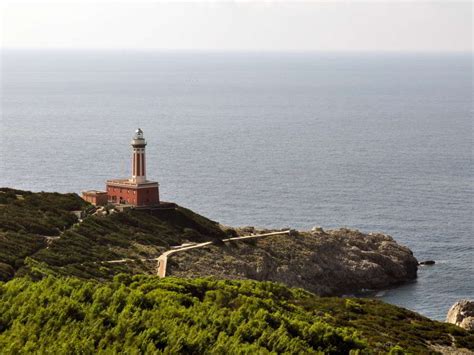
x: 427, y: 262
x: 462, y: 314
x: 330, y: 262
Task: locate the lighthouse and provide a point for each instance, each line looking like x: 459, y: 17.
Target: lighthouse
x: 137, y: 190
x: 138, y: 162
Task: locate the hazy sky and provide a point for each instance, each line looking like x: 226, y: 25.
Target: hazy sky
x: 240, y: 25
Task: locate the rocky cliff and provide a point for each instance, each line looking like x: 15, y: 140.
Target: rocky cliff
x: 324, y: 262
x: 462, y: 314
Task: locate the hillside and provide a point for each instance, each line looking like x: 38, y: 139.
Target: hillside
x: 40, y: 235
x: 147, y: 314
x: 67, y: 288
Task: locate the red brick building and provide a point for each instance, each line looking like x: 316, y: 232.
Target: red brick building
x: 136, y: 191
x: 97, y: 198
x: 127, y: 192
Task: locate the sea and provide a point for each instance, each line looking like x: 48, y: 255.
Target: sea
x: 370, y: 141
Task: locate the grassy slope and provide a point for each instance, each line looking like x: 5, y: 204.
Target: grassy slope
x: 148, y: 314
x: 26, y: 218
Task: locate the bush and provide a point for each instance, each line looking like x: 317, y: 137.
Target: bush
x: 142, y: 313
x: 149, y: 313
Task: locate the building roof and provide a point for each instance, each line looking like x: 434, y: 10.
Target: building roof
x: 93, y: 192
x: 129, y: 183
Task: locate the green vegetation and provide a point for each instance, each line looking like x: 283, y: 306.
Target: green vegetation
x: 26, y: 219
x: 29, y: 220
x: 146, y: 314
x: 63, y: 297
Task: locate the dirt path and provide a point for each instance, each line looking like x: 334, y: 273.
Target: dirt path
x: 163, y: 258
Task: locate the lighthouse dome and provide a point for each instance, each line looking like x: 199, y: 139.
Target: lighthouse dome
x: 138, y: 134
x: 138, y: 141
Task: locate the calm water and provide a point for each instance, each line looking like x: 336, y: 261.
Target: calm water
x: 376, y: 142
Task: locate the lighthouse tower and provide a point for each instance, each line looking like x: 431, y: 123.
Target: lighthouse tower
x: 138, y: 162
x: 136, y: 191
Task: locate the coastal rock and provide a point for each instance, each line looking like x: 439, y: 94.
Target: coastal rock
x: 462, y: 314
x: 427, y: 262
x: 332, y: 263
x: 317, y: 229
